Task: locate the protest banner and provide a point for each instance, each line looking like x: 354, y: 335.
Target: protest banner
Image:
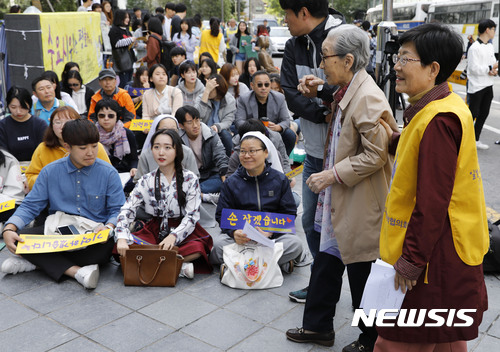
x: 59, y: 243
x: 7, y: 205
x: 140, y: 125
x: 273, y: 222
x: 297, y: 171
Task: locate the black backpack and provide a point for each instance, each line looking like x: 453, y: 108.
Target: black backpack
x: 491, y: 261
x: 165, y: 48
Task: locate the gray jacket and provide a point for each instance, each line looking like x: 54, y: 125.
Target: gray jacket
x: 190, y: 97
x: 277, y: 110
x: 213, y: 153
x: 226, y: 111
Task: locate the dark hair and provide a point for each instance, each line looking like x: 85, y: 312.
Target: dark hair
x: 96, y: 6
x: 145, y: 22
x: 435, y: 42
x: 52, y: 77
x: 188, y: 21
x: 186, y: 66
x: 137, y: 77
x: 136, y: 23
x: 262, y: 30
x: 210, y: 63
x: 15, y: 9
x: 72, y: 74
x: 170, y: 6
x: 214, y: 26
x: 366, y: 25
x: 238, y: 32
x: 197, y: 20
x: 226, y: 72
x: 155, y: 26
x: 159, y: 10
x: 247, y: 62
x: 64, y: 79
x: 180, y: 114
x: 274, y: 77
x: 160, y: 17
x: 179, y: 155
x: 21, y: 94
x: 317, y: 8
x: 2, y: 155
x: 120, y: 16
x: 152, y: 70
x: 180, y: 7
x: 260, y: 73
x: 252, y: 125
x: 109, y: 15
x: 110, y: 104
x: 49, y: 138
x: 484, y: 25
x: 207, y: 55
x: 136, y: 9
x: 80, y: 132
x: 177, y: 50
x: 222, y: 85
x: 38, y: 80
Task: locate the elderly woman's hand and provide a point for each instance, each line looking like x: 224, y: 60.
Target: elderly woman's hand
x: 308, y: 85
x: 319, y: 181
x: 240, y: 237
x: 122, y: 246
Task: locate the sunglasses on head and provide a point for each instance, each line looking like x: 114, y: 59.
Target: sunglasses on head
x: 267, y: 84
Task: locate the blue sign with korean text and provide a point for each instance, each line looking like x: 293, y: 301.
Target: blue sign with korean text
x: 273, y: 222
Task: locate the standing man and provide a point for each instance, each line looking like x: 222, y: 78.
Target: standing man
x: 167, y: 25
x: 309, y: 21
x: 482, y: 66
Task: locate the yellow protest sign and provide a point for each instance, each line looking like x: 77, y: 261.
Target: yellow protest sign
x: 295, y: 172
x: 455, y: 78
x: 140, y: 125
x: 72, y: 36
x: 7, y: 205
x: 23, y: 168
x: 59, y: 243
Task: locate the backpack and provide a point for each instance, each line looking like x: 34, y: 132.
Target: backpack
x: 491, y: 261
x: 165, y: 48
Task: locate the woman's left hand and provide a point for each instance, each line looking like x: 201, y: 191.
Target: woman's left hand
x: 404, y: 283
x: 168, y: 242
x: 319, y: 181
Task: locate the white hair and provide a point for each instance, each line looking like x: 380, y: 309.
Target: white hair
x: 350, y: 39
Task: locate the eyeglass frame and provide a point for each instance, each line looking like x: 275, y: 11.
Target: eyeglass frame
x: 403, y: 60
x: 251, y: 152
x: 108, y: 116
x: 324, y: 57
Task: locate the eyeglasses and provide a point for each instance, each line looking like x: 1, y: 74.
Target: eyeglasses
x: 103, y: 116
x: 74, y: 85
x: 260, y: 85
x: 324, y: 57
x: 250, y: 152
x: 402, y: 59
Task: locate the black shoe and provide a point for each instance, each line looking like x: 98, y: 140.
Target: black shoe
x: 356, y: 346
x: 497, y: 142
x: 298, y: 335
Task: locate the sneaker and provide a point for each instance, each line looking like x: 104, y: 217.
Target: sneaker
x: 223, y: 268
x: 356, y: 346
x: 14, y: 265
x: 497, y: 142
x: 187, y: 271
x: 298, y: 296
x: 88, y: 276
x: 211, y: 198
x: 299, y: 335
x: 482, y: 146
x: 288, y: 267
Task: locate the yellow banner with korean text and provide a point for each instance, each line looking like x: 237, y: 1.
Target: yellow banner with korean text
x: 7, y: 205
x: 140, y: 125
x: 59, y: 243
x: 72, y: 36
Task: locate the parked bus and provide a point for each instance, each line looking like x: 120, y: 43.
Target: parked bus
x: 464, y: 16
x: 405, y: 15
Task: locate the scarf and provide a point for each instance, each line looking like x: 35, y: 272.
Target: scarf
x: 117, y: 138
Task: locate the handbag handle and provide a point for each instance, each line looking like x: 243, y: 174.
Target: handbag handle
x: 139, y: 259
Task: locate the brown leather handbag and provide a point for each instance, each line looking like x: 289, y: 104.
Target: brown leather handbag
x: 148, y: 265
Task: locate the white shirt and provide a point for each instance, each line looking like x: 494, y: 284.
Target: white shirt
x: 479, y: 59
x: 79, y: 98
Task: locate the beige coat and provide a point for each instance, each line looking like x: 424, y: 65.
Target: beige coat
x: 364, y: 166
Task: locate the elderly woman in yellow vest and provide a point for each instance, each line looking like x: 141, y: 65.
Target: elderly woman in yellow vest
x: 434, y: 229
x: 212, y: 40
x: 352, y: 187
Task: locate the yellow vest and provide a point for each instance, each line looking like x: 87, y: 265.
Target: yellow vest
x: 230, y: 31
x: 467, y: 209
x: 210, y: 43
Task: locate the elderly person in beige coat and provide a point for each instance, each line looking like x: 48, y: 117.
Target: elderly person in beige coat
x: 352, y: 187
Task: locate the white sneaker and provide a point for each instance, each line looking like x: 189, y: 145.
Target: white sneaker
x: 187, y: 271
x: 482, y: 146
x: 212, y: 198
x: 88, y: 276
x: 14, y: 265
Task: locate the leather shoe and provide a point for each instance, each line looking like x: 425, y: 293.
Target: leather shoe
x: 299, y: 335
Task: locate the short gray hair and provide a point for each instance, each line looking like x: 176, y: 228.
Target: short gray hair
x: 350, y: 39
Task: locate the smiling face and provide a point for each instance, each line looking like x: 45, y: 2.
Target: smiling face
x: 254, y: 164
x: 413, y: 78
x: 159, y: 78
x: 163, y: 150
x: 107, y: 119
x: 17, y: 111
x: 242, y: 27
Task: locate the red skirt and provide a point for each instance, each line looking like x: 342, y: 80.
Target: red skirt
x: 199, y: 241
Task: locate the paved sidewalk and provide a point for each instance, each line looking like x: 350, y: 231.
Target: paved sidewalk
x: 37, y: 314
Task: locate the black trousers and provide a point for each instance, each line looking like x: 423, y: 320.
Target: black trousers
x: 324, y: 291
x: 479, y: 105
x: 55, y: 264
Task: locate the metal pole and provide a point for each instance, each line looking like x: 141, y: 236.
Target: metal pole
x: 222, y: 11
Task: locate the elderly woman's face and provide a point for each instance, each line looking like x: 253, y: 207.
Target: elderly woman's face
x: 412, y: 78
x: 337, y: 69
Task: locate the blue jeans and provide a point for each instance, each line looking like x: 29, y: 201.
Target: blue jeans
x: 211, y: 184
x: 289, y: 137
x: 312, y: 165
x: 227, y: 141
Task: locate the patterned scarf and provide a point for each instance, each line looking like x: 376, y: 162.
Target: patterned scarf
x: 117, y: 138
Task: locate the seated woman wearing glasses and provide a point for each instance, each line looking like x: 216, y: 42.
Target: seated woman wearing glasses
x: 258, y: 185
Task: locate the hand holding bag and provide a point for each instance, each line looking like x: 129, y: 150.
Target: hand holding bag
x: 252, y: 267
x: 148, y: 265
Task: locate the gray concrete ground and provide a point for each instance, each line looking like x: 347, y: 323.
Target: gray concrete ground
x: 37, y: 314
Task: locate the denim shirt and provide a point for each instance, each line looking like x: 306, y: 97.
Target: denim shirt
x: 94, y: 192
